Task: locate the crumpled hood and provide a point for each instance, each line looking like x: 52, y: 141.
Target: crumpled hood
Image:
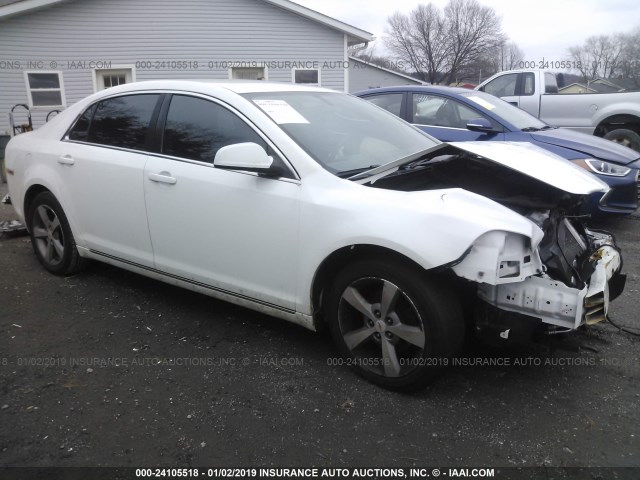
x: 590, y: 145
x: 537, y: 163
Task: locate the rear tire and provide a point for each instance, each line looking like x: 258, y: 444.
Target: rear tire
x: 625, y: 137
x: 393, y: 324
x: 51, y: 236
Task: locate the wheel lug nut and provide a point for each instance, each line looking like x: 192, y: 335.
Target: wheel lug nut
x: 389, y: 320
x: 377, y: 313
x: 377, y: 335
x: 370, y: 322
x: 389, y: 335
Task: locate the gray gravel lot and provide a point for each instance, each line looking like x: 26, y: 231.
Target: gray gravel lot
x: 108, y: 368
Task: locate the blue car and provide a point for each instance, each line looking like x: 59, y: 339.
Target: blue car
x: 458, y: 115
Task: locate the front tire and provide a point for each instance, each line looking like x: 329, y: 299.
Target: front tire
x: 51, y: 236
x: 393, y: 324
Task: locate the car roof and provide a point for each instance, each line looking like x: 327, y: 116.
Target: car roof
x: 212, y: 86
x: 416, y: 89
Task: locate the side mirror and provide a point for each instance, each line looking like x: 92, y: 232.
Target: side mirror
x: 480, y: 125
x: 243, y: 156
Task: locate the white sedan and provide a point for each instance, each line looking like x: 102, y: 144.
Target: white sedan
x: 318, y: 208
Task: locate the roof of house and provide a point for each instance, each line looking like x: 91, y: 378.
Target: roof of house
x: 626, y: 83
x: 373, y: 65
x: 566, y: 87
x: 605, y: 87
x: 11, y: 8
x: 596, y: 86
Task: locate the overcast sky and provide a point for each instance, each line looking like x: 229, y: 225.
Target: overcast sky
x: 546, y: 28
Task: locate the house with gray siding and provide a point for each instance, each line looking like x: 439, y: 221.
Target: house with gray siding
x: 364, y: 75
x: 56, y: 52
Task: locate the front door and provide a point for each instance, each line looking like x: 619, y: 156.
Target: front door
x: 231, y: 231
x: 446, y: 119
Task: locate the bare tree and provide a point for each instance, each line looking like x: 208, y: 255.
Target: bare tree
x: 506, y: 56
x: 600, y: 56
x: 474, y: 31
x: 442, y: 45
x: 629, y: 66
x: 419, y: 39
x: 511, y: 56
x: 370, y: 55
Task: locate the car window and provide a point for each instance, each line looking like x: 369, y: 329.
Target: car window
x: 435, y: 110
x: 528, y: 85
x: 123, y: 121
x: 502, y: 86
x: 391, y: 102
x: 506, y: 112
x: 197, y: 128
x: 342, y: 133
x: 550, y: 83
x: 425, y: 107
x: 80, y: 130
x: 465, y: 114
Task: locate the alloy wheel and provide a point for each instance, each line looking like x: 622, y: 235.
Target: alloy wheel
x: 48, y: 235
x: 381, y: 327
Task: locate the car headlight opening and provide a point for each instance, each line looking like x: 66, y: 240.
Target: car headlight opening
x: 602, y: 168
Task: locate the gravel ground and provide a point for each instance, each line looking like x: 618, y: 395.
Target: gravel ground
x: 108, y: 368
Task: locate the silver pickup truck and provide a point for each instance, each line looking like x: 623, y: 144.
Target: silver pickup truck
x: 614, y: 116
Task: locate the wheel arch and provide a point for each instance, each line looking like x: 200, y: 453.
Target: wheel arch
x: 344, y: 256
x: 615, y: 121
x: 38, y: 186
x: 32, y: 192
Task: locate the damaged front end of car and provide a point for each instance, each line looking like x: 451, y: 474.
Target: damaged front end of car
x: 562, y: 276
x: 581, y: 274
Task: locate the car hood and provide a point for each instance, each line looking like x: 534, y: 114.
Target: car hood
x: 590, y: 145
x: 538, y: 163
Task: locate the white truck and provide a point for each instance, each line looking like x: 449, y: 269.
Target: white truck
x: 614, y: 116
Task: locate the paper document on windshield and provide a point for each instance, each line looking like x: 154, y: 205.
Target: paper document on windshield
x: 280, y: 111
x: 482, y: 102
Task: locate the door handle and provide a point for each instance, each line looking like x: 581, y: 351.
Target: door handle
x: 66, y: 160
x: 162, y: 177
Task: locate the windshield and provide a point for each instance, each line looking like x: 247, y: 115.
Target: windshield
x: 344, y: 134
x: 509, y: 113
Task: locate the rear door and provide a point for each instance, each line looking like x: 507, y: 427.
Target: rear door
x: 101, y: 163
x: 529, y: 93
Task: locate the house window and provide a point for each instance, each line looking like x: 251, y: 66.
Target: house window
x: 309, y: 77
x: 45, y: 89
x: 113, y: 77
x: 249, y: 73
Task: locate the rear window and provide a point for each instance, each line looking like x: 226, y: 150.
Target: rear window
x: 123, y: 121
x: 80, y: 131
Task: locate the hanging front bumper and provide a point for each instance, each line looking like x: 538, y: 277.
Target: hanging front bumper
x: 554, y: 303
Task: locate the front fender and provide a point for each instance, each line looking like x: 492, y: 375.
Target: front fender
x: 432, y: 228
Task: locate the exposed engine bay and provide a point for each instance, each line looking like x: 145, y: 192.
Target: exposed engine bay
x: 565, y: 280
